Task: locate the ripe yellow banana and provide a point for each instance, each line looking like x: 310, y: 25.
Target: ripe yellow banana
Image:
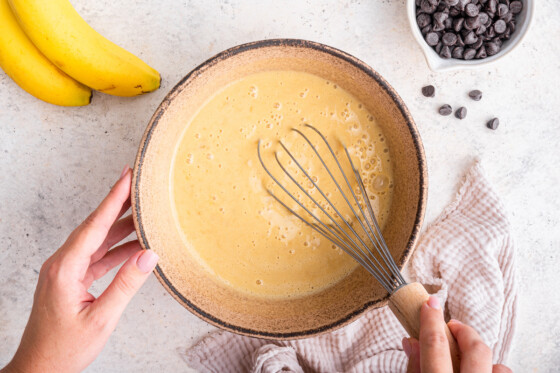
x: 31, y: 70
x: 72, y: 45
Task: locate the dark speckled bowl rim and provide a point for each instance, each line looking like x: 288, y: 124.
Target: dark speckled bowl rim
x: 298, y: 43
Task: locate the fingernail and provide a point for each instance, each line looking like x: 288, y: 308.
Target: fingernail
x: 124, y: 171
x: 147, y: 261
x: 455, y: 321
x: 433, y: 302
x: 407, y: 347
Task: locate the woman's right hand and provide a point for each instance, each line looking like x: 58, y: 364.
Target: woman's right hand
x: 430, y: 354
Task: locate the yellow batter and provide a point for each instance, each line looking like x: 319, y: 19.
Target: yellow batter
x: 228, y: 220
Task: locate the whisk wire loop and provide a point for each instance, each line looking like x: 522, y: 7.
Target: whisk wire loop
x: 383, y: 269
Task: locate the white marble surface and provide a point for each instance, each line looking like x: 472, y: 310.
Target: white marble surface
x: 57, y: 163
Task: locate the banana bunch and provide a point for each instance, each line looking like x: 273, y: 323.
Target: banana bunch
x: 52, y: 53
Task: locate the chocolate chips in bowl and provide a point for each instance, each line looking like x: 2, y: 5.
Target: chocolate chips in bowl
x: 467, y: 29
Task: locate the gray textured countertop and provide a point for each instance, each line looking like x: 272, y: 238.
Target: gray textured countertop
x: 57, y: 163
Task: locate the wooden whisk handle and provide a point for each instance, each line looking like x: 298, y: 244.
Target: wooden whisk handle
x: 406, y: 303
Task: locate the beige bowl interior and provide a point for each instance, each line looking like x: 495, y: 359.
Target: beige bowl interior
x: 157, y: 230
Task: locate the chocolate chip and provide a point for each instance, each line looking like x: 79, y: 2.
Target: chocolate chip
x: 440, y: 17
x: 454, y: 12
x: 471, y: 10
x: 483, y: 18
x: 427, y: 7
x: 432, y: 38
x: 438, y: 47
x: 433, y: 2
x: 423, y: 20
x: 481, y: 53
x: 516, y: 7
x: 508, y: 17
x: 445, y: 52
x: 458, y: 24
x: 511, y: 26
x: 448, y: 23
x: 471, y: 38
x: 445, y: 110
x: 478, y: 43
x: 493, y: 123
x: 462, y: 4
x: 461, y: 112
x: 438, y: 26
x: 475, y: 94
x: 503, y: 9
x: 492, y: 48
x: 472, y: 22
x: 500, y: 26
x: 498, y: 42
x: 492, y: 6
x: 449, y: 38
x: 457, y: 52
x: 426, y: 29
x: 429, y: 91
x: 469, y: 54
x: 460, y: 41
x: 451, y: 2
x: 480, y: 30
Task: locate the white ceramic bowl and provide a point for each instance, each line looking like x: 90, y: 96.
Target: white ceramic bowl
x: 436, y: 63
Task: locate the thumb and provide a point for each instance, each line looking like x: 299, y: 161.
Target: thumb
x: 130, y: 277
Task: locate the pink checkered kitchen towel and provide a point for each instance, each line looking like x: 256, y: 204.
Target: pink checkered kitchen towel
x: 466, y: 256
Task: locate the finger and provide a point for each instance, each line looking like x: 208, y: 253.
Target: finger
x: 132, y: 275
x: 92, y: 232
x: 499, y: 368
x: 412, y: 350
x: 113, y: 258
x: 434, y: 347
x: 476, y: 356
x: 119, y: 231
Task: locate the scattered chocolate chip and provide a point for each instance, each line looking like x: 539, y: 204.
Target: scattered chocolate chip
x: 429, y: 91
x: 445, y: 110
x: 475, y: 94
x: 461, y: 112
x: 500, y: 26
x: 516, y: 7
x: 449, y: 38
x: 469, y: 54
x: 493, y: 123
x: 471, y: 10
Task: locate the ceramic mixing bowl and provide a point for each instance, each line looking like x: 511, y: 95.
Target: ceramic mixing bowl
x: 157, y: 229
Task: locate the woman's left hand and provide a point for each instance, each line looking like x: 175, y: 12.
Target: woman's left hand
x: 68, y: 326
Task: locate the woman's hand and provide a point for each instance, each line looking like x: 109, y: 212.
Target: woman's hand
x: 430, y: 354
x: 68, y: 326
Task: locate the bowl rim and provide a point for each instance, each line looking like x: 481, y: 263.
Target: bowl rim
x: 438, y: 64
x: 298, y: 43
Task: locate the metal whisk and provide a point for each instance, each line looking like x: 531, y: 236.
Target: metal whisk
x: 359, y: 236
